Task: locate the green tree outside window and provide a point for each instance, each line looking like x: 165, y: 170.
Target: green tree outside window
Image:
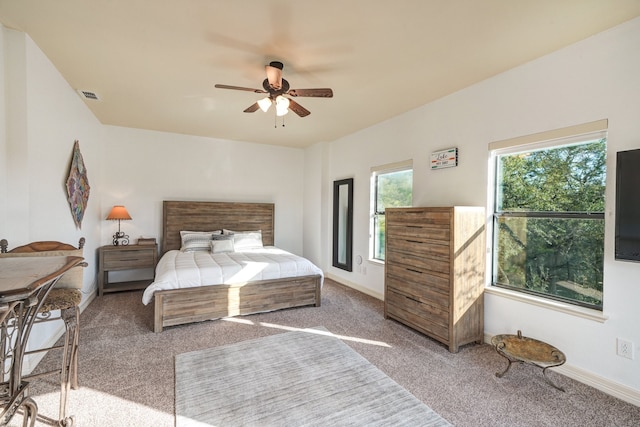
x: 549, y: 222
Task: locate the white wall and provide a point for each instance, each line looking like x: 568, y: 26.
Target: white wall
x: 142, y: 168
x: 315, y: 184
x: 42, y: 117
x: 598, y: 78
x: 3, y: 125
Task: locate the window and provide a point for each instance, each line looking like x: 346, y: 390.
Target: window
x: 391, y: 186
x: 548, y: 219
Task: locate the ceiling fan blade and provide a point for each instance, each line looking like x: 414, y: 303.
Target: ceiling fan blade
x: 298, y: 109
x: 253, y: 108
x: 248, y: 89
x: 320, y: 92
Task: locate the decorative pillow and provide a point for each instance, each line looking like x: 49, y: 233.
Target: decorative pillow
x: 222, y: 237
x: 247, y: 239
x: 196, y: 240
x: 222, y: 245
x: 217, y: 232
x: 72, y: 279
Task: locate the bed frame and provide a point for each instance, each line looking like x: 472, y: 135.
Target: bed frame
x: 182, y: 306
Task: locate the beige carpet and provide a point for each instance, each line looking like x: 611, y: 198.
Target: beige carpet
x: 127, y: 371
x: 300, y: 378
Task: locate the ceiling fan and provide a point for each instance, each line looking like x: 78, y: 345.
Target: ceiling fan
x: 276, y: 88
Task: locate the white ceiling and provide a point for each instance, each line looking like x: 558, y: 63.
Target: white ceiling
x: 154, y: 63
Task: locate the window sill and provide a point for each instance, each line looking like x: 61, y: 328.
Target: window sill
x: 572, y: 310
x: 376, y: 261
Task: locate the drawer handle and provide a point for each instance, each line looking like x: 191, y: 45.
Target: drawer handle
x: 413, y: 299
x: 412, y: 241
x: 415, y: 271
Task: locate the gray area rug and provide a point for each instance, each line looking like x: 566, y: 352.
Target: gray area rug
x: 293, y: 379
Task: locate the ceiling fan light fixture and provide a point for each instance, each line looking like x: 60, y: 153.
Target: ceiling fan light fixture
x: 282, y: 105
x: 281, y: 111
x: 281, y: 101
x: 265, y: 103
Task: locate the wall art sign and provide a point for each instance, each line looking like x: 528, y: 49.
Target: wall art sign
x: 444, y: 159
x: 77, y: 186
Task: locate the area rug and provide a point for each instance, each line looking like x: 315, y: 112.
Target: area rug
x: 300, y: 378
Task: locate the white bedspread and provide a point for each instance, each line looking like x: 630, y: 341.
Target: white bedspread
x: 177, y: 269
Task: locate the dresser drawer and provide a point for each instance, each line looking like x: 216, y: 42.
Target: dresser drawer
x: 419, y: 285
x: 420, y: 308
x: 413, y: 216
x: 129, y: 259
x: 415, y: 246
x: 423, y: 262
x: 423, y: 317
x: 425, y: 233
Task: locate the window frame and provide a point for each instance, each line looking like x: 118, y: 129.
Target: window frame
x: 375, y: 214
x: 574, y: 135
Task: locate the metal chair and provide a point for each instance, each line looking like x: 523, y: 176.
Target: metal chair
x: 66, y: 297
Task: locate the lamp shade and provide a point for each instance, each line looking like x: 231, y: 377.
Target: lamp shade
x: 282, y: 105
x: 118, y: 213
x: 264, y: 104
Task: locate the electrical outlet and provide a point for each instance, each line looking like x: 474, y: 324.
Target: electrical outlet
x: 625, y: 348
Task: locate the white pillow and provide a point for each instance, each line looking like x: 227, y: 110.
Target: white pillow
x: 247, y: 239
x: 219, y: 246
x: 196, y: 240
x: 217, y: 232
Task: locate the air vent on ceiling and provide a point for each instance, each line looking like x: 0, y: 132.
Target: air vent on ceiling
x: 88, y: 95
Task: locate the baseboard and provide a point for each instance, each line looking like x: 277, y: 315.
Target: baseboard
x: 620, y: 391
x: 30, y: 361
x: 355, y: 286
x: 92, y: 295
x: 605, y: 385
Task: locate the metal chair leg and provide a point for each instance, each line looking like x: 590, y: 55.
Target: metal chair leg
x: 30, y: 412
x: 74, y: 350
x: 69, y: 370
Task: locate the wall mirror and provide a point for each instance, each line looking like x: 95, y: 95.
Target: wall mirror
x: 343, y: 223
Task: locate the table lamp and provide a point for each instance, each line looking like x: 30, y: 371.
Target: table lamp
x: 119, y: 213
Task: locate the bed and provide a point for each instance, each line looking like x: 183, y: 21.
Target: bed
x: 195, y: 303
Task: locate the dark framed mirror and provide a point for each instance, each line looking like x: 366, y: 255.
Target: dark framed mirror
x: 343, y: 224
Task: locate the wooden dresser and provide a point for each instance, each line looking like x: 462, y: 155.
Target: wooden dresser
x: 434, y: 272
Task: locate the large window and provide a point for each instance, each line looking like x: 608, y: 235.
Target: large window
x: 548, y: 219
x: 391, y: 186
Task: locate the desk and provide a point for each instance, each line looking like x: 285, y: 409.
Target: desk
x: 516, y: 348
x: 24, y: 284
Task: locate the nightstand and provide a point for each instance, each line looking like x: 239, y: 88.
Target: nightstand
x: 131, y: 257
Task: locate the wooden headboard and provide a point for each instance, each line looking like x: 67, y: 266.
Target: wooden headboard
x: 211, y: 216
